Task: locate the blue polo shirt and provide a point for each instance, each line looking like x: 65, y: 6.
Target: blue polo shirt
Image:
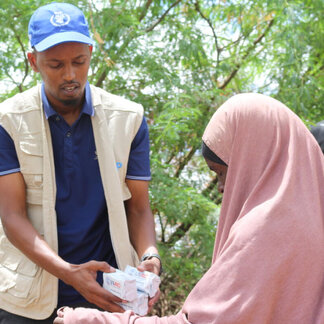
x: 82, y: 217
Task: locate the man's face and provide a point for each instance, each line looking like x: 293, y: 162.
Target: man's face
x: 64, y: 70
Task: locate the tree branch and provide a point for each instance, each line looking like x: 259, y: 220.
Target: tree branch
x: 146, y: 7
x: 185, y: 161
x: 218, y: 49
x: 26, y: 64
x: 162, y: 17
x: 104, y: 73
x: 249, y: 50
x: 107, y: 59
x: 102, y: 77
x: 181, y: 230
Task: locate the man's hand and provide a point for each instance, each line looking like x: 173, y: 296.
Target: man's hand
x: 83, y: 279
x: 152, y: 265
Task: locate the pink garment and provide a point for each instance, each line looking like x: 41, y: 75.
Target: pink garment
x: 94, y: 316
x: 268, y: 263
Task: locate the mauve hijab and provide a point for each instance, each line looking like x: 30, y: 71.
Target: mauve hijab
x: 268, y: 263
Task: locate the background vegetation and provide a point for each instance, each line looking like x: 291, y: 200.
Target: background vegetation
x: 181, y: 59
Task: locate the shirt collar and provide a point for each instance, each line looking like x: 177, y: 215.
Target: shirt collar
x: 86, y: 109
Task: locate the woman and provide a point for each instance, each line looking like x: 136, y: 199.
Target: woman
x: 268, y: 262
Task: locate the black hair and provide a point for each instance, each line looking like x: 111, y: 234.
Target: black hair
x: 208, y: 154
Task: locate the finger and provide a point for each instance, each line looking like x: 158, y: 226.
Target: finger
x: 101, y: 266
x: 145, y: 266
x: 112, y: 298
x: 154, y: 299
x: 106, y: 299
x: 62, y: 310
x: 141, y: 267
x: 58, y: 320
x: 149, y: 265
x: 112, y: 307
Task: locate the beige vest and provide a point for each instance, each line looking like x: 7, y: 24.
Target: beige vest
x: 26, y: 289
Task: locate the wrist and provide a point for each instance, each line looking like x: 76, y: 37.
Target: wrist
x: 66, y: 273
x: 149, y: 256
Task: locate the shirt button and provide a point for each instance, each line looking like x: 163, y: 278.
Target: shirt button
x: 57, y: 118
x: 68, y: 134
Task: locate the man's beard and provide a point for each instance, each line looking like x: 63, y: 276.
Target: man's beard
x: 70, y: 102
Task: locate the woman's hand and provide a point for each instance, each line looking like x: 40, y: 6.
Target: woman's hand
x: 60, y: 315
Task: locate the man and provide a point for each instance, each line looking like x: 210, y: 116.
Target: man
x: 74, y: 171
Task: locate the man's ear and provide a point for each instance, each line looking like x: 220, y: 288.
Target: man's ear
x: 90, y: 49
x: 32, y: 61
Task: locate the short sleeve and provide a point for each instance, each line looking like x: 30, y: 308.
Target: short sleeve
x: 8, y: 157
x: 139, y: 157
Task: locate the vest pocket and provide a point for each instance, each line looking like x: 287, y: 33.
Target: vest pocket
x: 31, y: 166
x: 31, y: 155
x: 17, y: 272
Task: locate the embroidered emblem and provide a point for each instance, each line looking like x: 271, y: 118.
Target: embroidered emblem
x: 119, y: 165
x: 60, y: 19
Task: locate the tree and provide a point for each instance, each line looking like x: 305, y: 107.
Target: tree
x: 181, y: 59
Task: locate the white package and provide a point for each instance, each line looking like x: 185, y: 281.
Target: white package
x: 146, y: 281
x: 120, y: 284
x: 139, y: 305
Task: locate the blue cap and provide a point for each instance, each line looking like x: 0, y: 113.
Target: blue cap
x: 57, y: 23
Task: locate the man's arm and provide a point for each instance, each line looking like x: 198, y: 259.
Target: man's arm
x: 24, y: 236
x: 141, y: 223
x: 142, y: 228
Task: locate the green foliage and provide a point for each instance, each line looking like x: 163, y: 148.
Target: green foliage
x: 186, y: 227
x: 181, y: 59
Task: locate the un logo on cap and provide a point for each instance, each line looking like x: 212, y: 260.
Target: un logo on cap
x: 60, y: 19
